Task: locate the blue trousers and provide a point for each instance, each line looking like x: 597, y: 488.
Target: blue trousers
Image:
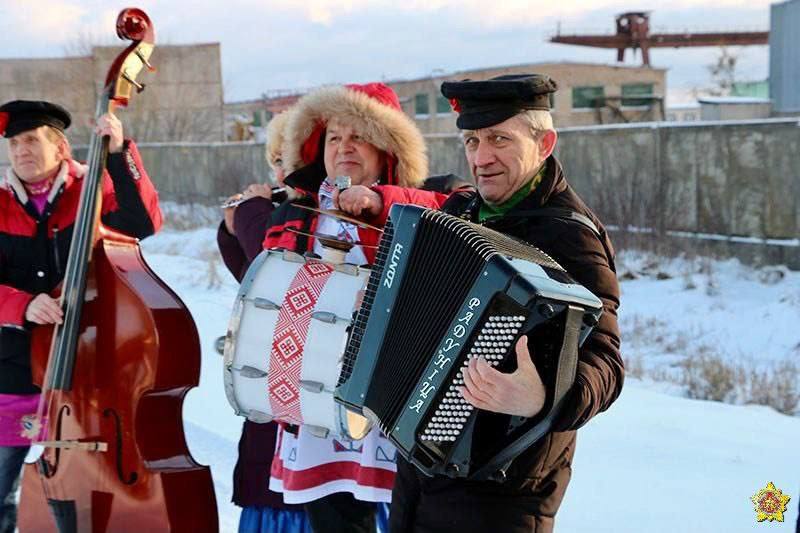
x: 11, y: 459
x: 267, y: 520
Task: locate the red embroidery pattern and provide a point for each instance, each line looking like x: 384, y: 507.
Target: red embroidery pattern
x: 288, y: 342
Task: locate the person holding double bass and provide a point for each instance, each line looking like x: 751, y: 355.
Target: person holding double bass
x: 38, y: 203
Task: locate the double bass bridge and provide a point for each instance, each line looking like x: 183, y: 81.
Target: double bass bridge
x: 88, y: 446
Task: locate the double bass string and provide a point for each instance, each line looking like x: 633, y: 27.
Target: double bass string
x: 57, y: 369
x: 60, y: 362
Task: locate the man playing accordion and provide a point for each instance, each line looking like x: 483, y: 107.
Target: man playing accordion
x: 509, y: 139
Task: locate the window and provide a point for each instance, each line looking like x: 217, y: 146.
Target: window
x: 421, y: 108
x: 630, y: 90
x: 443, y: 105
x: 587, y: 97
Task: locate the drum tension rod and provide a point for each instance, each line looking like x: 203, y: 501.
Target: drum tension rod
x: 325, y: 316
x: 251, y: 372
x: 312, y: 386
x: 263, y: 303
x: 258, y: 417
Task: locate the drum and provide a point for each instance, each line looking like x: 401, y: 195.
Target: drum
x: 286, y: 339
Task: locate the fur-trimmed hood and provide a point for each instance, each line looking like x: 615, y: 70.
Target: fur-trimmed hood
x: 385, y: 127
x: 275, y: 130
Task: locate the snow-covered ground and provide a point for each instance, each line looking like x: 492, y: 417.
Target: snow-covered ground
x: 656, y: 461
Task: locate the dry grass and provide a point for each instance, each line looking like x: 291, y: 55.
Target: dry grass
x: 709, y: 377
x: 703, y: 372
x: 776, y: 387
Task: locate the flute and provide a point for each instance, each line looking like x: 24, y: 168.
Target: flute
x: 278, y: 195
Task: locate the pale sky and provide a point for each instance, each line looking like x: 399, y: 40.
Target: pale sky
x: 283, y: 44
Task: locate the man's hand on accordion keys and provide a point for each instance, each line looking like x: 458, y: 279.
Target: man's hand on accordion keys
x: 520, y: 393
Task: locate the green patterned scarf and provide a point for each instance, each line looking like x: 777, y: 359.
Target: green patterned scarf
x: 489, y: 211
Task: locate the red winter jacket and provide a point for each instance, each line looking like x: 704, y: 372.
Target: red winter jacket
x: 34, y: 247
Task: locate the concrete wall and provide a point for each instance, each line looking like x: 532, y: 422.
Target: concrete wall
x: 183, y: 98
x: 721, y: 178
x: 200, y: 172
x: 724, y: 178
x: 66, y: 81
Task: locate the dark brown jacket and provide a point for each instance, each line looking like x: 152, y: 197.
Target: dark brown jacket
x: 537, y: 479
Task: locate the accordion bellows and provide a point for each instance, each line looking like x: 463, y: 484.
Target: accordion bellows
x: 442, y: 291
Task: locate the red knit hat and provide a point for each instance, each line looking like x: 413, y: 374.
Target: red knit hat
x: 378, y: 91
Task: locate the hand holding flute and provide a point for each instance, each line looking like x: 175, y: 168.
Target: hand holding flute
x: 253, y: 190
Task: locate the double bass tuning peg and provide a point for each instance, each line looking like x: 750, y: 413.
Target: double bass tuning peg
x: 144, y: 60
x: 139, y: 86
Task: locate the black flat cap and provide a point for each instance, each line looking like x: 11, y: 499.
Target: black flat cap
x: 481, y: 104
x: 24, y: 115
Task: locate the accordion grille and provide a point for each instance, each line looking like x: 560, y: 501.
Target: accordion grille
x: 360, y: 322
x: 508, y: 246
x: 444, y: 270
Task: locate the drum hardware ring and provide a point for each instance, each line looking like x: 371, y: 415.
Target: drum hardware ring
x: 317, y: 431
x: 348, y: 268
x: 219, y: 344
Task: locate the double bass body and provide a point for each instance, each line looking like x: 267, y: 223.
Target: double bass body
x: 134, y: 367
x: 113, y: 382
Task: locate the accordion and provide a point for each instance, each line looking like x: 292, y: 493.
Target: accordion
x: 442, y: 291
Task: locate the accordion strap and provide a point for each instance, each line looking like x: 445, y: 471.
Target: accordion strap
x: 558, y: 212
x: 568, y: 358
x: 565, y: 377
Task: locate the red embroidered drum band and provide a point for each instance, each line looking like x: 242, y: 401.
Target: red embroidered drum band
x: 291, y: 330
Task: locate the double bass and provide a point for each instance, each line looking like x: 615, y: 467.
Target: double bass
x: 114, y: 374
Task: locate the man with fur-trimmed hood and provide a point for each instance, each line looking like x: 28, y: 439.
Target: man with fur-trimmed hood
x: 361, y: 132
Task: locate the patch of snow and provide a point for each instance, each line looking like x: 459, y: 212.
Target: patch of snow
x: 655, y: 461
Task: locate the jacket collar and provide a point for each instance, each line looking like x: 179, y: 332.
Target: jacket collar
x: 69, y: 171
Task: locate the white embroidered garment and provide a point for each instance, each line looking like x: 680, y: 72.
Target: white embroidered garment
x: 338, y: 228
x: 305, y: 467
